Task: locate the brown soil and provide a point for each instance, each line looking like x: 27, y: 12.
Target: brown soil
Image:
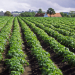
x: 64, y: 66
x: 33, y: 68
x: 3, y: 67
x: 27, y: 69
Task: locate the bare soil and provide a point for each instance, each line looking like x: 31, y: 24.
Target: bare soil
x: 33, y: 68
x: 63, y: 66
x: 3, y: 67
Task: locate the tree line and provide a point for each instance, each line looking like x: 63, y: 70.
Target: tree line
x: 49, y: 11
x: 7, y: 13
x: 32, y: 14
x: 70, y: 14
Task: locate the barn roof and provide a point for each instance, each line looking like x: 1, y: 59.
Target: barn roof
x: 53, y: 15
x: 39, y: 15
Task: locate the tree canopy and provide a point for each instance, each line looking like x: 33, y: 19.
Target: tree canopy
x: 64, y: 14
x: 7, y: 13
x: 72, y: 13
x: 50, y: 11
x: 27, y: 14
x: 40, y: 11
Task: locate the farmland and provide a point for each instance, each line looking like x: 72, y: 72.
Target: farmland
x: 37, y: 46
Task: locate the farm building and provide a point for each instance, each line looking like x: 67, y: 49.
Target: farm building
x: 15, y: 14
x: 48, y: 15
x: 1, y: 13
x: 39, y: 15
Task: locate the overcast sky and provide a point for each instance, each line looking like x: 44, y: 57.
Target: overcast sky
x: 25, y: 5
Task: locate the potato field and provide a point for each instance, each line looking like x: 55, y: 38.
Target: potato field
x: 37, y: 46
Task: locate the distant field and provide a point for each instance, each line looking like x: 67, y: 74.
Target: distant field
x: 37, y: 46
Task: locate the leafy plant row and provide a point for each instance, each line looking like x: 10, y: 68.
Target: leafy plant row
x: 65, y: 40
x: 3, y: 21
x: 16, y: 56
x: 62, y: 31
x: 62, y: 26
x: 58, y: 23
x: 67, y: 22
x: 4, y: 36
x: 56, y: 46
x: 43, y: 57
x: 69, y: 26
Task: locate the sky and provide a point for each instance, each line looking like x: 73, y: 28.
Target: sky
x: 25, y: 5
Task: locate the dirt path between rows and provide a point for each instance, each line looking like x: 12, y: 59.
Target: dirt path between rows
x: 65, y: 68
x: 33, y: 68
x: 3, y: 67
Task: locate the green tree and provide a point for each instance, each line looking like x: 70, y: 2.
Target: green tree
x: 72, y: 13
x: 40, y: 11
x: 33, y: 14
x: 7, y: 13
x: 68, y: 15
x: 27, y: 14
x: 50, y: 11
x: 62, y: 14
x: 65, y: 14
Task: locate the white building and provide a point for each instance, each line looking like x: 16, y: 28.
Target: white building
x: 1, y: 13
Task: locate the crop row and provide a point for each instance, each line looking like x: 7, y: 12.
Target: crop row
x: 70, y: 23
x: 46, y: 64
x: 16, y: 56
x: 4, y: 36
x: 67, y: 22
x: 65, y: 40
x: 3, y: 21
x: 57, y: 23
x: 56, y: 46
x: 69, y: 26
x: 62, y: 31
